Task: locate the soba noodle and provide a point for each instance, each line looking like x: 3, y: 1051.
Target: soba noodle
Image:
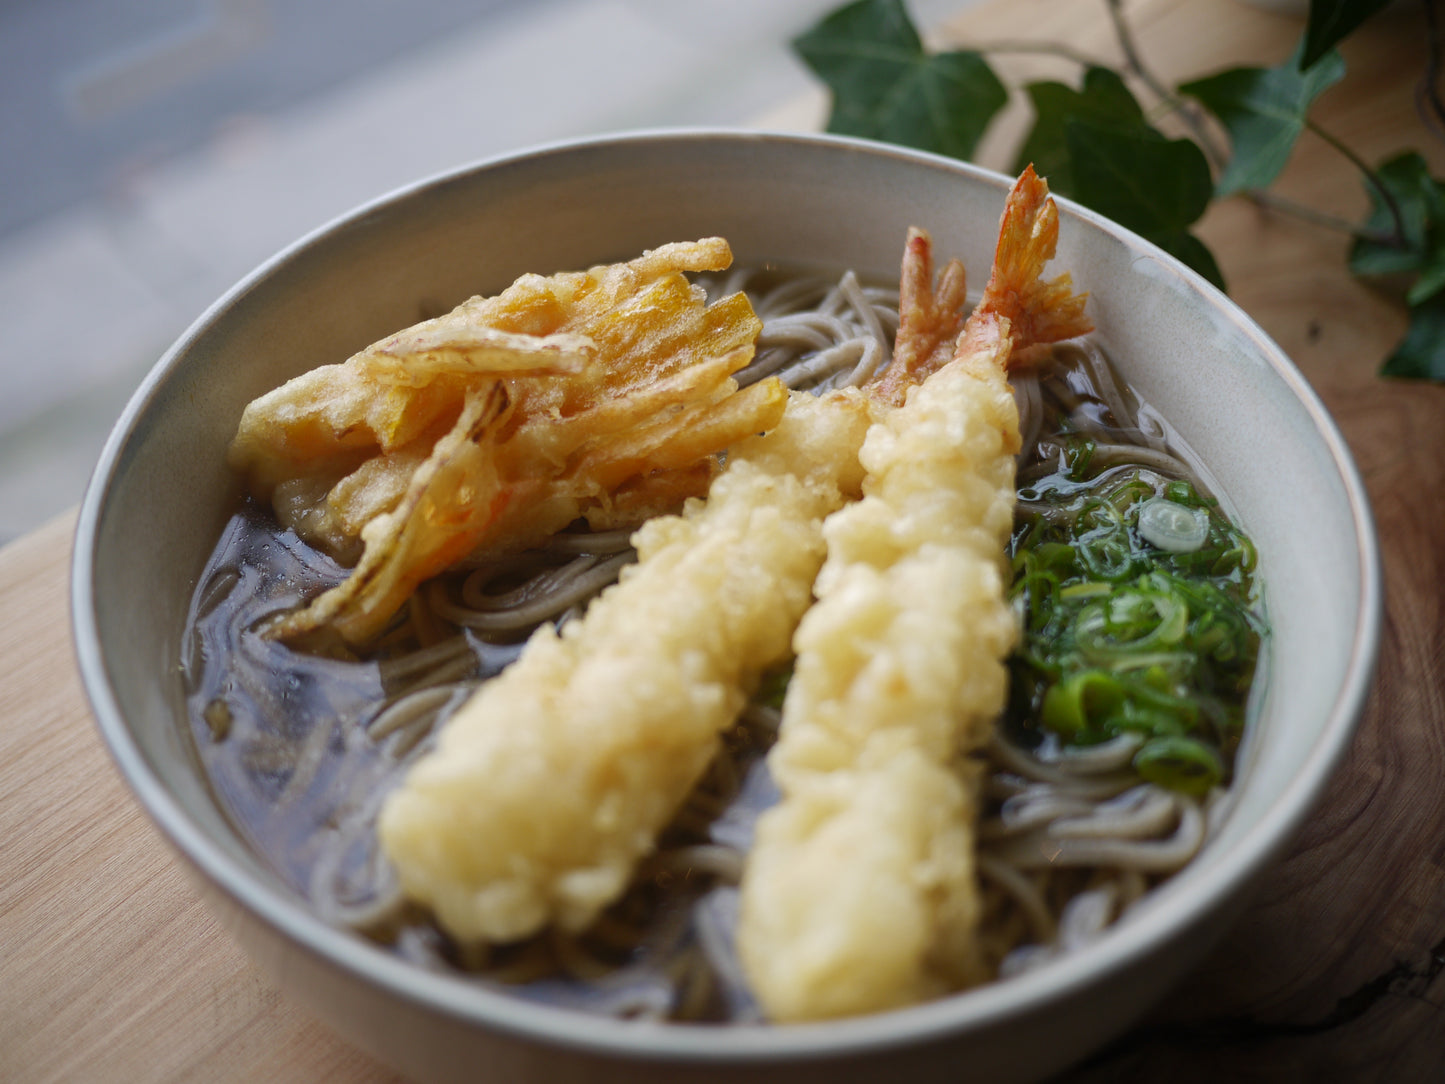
x: 302, y: 750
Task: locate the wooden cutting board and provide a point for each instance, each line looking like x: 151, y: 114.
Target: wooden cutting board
x: 110, y: 969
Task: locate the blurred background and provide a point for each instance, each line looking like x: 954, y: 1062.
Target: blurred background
x: 152, y: 152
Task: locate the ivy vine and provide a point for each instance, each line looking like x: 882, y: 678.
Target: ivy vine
x: 1098, y: 144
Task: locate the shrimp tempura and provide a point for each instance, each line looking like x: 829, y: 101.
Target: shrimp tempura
x: 859, y: 894
x: 556, y: 777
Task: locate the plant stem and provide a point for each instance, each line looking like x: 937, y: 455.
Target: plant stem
x: 1271, y: 201
x: 1131, y: 51
x: 1135, y: 63
x: 1195, y: 120
x: 1386, y: 196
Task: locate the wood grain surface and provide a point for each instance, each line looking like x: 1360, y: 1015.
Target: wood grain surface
x: 110, y: 969
x: 1334, y: 973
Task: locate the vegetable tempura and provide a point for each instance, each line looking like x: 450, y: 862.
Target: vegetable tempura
x: 603, y: 394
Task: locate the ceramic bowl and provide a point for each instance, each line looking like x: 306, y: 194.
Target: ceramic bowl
x: 162, y: 492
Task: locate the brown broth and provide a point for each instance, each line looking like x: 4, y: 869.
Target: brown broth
x: 283, y: 738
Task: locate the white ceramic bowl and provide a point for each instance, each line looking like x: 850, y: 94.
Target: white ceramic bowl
x: 162, y: 492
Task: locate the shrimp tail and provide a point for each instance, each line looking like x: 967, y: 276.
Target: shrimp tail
x: 1038, y: 312
x: 930, y: 317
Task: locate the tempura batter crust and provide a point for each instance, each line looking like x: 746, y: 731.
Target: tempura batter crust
x: 551, y: 783
x: 860, y: 892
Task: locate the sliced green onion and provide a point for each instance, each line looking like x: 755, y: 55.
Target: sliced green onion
x: 1173, y: 527
x: 1085, y: 590
x: 1180, y: 763
x: 1124, y: 634
x: 1081, y: 702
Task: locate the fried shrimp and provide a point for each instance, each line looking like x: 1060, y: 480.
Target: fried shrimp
x: 859, y: 893
x: 549, y: 785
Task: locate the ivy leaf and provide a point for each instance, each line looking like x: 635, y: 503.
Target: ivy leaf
x: 1155, y: 186
x: 887, y: 87
x: 1138, y: 178
x: 1264, y: 110
x: 1421, y: 353
x: 1094, y: 144
x: 1103, y: 99
x: 1330, y: 22
x: 1420, y: 250
x: 1430, y: 282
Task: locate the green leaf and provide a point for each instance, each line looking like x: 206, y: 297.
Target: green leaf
x: 1421, y: 202
x: 1103, y: 99
x: 1264, y: 111
x: 1419, y: 251
x: 1421, y: 353
x: 1138, y: 178
x: 1155, y: 186
x: 887, y: 87
x: 1430, y: 282
x: 1094, y: 144
x: 1330, y: 22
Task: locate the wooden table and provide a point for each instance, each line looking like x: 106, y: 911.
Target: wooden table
x: 110, y: 970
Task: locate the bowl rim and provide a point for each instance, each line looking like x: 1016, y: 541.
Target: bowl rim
x: 1126, y: 944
